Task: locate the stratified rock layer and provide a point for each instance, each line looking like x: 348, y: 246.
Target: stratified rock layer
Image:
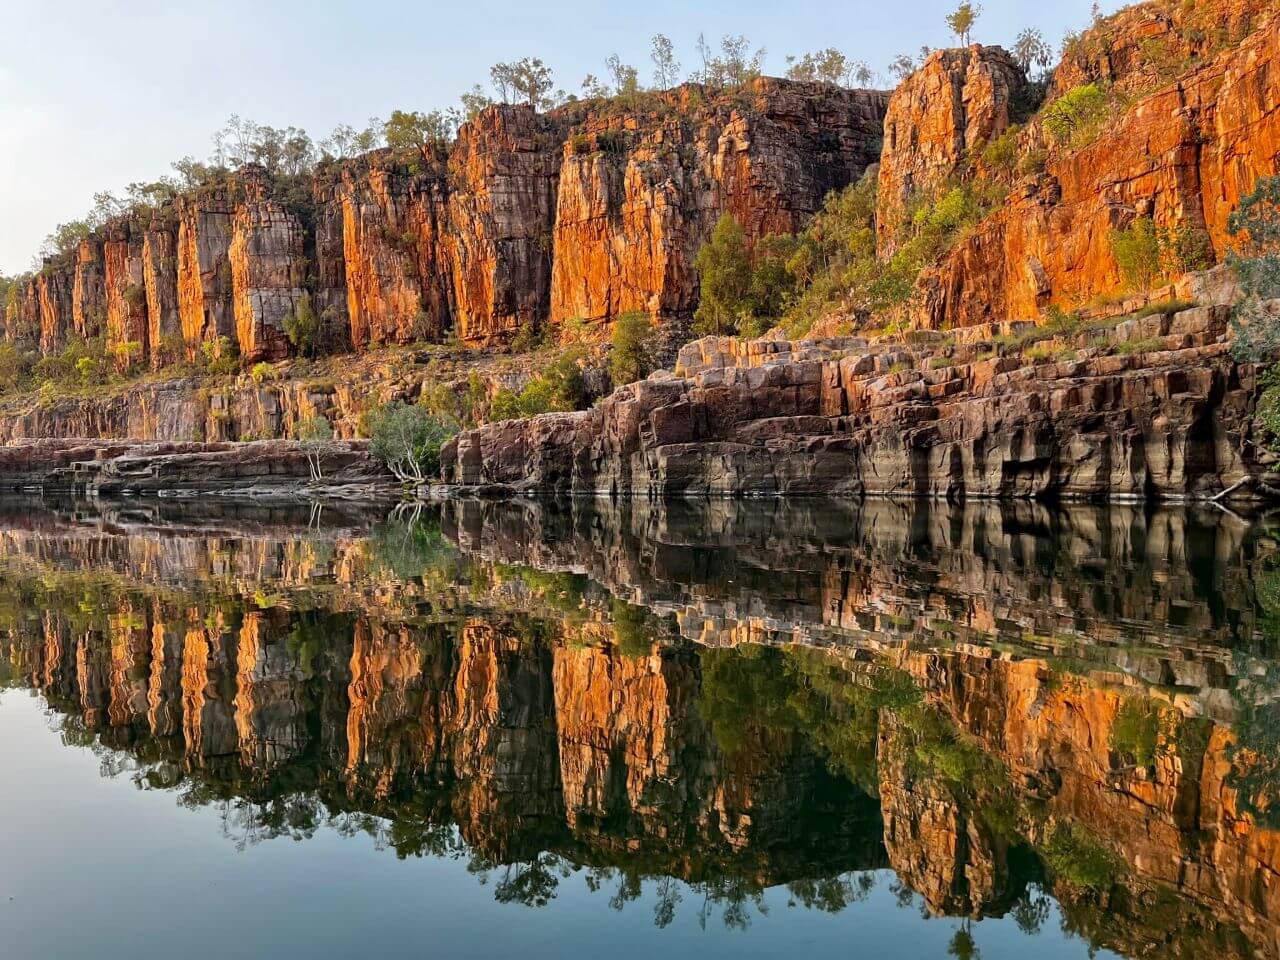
x: 770, y: 418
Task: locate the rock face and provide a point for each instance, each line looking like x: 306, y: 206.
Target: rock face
x: 638, y: 195
x: 130, y: 467
x: 505, y: 167
x: 1122, y: 49
x: 88, y: 295
x: 397, y: 286
x: 1183, y: 155
x: 848, y: 419
x: 160, y: 275
x: 267, y: 272
x: 204, y: 267
x: 939, y: 117
x: 127, y: 327
x: 53, y: 289
x: 477, y: 239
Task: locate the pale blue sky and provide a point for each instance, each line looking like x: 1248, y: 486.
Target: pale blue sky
x: 97, y: 93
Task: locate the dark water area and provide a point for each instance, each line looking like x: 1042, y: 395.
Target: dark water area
x: 712, y: 729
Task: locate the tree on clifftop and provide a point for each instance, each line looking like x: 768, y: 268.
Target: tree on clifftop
x: 1030, y: 49
x: 666, y: 68
x: 528, y: 78
x: 962, y: 20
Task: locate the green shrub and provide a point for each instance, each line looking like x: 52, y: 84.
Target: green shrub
x: 260, y: 372
x: 1033, y: 162
x: 221, y: 356
x: 528, y: 338
x: 1075, y: 118
x: 1135, y: 734
x: 408, y: 439
x: 1166, y: 307
x: 15, y: 367
x: 1147, y: 345
x: 505, y: 406
x: 631, y: 354
x: 1147, y: 254
x: 1000, y: 155
x: 1137, y: 253
x: 302, y: 327
x: 1079, y: 859
x: 126, y: 354
x: 724, y: 266
x: 135, y: 296
x: 1255, y: 228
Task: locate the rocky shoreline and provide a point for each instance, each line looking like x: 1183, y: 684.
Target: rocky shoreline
x: 1162, y: 412
x: 260, y: 470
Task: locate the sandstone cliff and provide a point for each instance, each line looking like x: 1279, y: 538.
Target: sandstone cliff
x: 938, y: 119
x: 479, y: 239
x: 639, y: 194
x: 1180, y: 148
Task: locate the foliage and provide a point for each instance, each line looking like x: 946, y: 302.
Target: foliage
x: 666, y: 68
x: 737, y: 296
x: 1255, y: 228
x: 282, y: 152
x: 1000, y: 156
x: 631, y: 353
x: 1078, y: 858
x: 1137, y: 253
x: 1147, y: 254
x: 1135, y: 734
x: 1031, y: 50
x: 408, y: 439
x: 829, y: 66
x: 126, y: 355
x: 735, y: 65
x: 461, y: 407
x: 81, y: 361
x: 528, y: 79
x: 314, y: 433
x: 961, y: 21
x: 1075, y: 117
x: 221, y: 356
x: 15, y: 366
x: 724, y: 265
x: 302, y: 327
x: 414, y: 130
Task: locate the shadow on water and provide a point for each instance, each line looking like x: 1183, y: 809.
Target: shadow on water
x: 990, y: 708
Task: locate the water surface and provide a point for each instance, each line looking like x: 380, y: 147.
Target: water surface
x: 717, y: 729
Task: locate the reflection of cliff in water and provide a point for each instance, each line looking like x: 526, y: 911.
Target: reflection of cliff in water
x: 933, y: 720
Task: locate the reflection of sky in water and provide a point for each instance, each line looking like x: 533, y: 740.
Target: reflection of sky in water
x: 98, y: 868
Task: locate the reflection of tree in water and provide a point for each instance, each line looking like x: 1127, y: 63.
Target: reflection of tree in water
x: 1255, y: 751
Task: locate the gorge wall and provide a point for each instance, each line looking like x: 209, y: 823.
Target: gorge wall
x: 526, y: 219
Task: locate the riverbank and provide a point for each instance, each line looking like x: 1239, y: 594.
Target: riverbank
x: 1149, y: 405
x: 264, y: 470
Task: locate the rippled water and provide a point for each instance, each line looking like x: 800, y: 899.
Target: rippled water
x: 890, y: 730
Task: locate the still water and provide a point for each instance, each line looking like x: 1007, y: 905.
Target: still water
x: 738, y: 730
